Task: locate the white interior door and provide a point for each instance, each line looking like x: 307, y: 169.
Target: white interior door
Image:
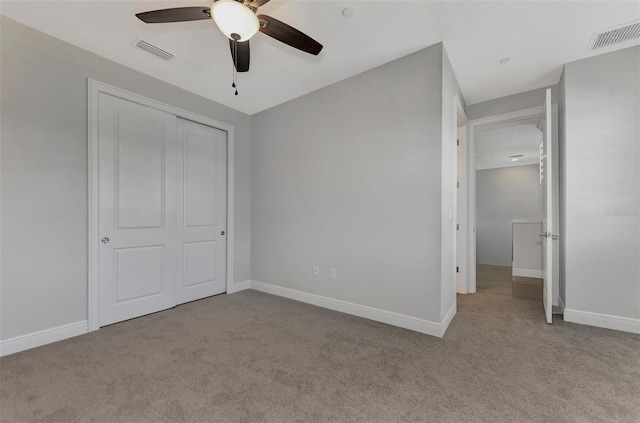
x: 548, y: 222
x: 137, y: 209
x: 202, y: 211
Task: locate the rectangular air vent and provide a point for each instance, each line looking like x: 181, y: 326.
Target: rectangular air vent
x: 620, y: 34
x: 156, y: 51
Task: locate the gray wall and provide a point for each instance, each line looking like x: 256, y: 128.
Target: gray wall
x: 349, y: 177
x: 503, y: 195
x: 44, y: 174
x: 602, y: 186
x: 520, y: 101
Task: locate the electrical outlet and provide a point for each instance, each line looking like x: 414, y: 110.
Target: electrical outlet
x: 332, y: 272
x: 316, y: 270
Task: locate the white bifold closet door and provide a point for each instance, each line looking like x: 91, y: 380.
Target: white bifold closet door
x: 162, y: 210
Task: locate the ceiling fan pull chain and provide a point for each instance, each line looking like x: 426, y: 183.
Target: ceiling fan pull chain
x: 235, y: 65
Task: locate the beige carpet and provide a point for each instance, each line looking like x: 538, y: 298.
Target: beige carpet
x: 255, y: 357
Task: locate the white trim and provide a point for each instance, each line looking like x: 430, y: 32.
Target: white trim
x: 462, y: 260
x: 43, y: 337
x: 607, y: 321
x: 561, y: 304
x: 94, y: 90
x: 461, y: 115
x: 527, y: 273
x: 232, y: 288
x: 507, y: 117
x: 474, y: 125
x: 559, y: 309
x: 395, y: 319
x: 93, y: 291
x: 448, y: 317
x: 230, y: 205
x: 470, y: 227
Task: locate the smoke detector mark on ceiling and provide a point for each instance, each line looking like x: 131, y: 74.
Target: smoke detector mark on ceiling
x: 619, y: 34
x: 348, y: 12
x: 156, y: 51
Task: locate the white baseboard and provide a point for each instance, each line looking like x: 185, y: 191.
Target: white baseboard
x: 238, y: 286
x: 388, y: 317
x: 607, y: 321
x: 43, y: 337
x: 527, y: 273
x: 448, y: 317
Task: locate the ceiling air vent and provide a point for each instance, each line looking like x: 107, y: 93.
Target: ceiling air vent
x: 616, y: 35
x: 156, y: 51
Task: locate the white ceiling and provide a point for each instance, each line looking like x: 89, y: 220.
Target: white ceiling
x: 494, y: 144
x: 538, y: 36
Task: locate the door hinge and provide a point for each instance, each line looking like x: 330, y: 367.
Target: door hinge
x: 457, y: 226
x: 457, y: 184
x: 457, y: 269
x: 457, y: 142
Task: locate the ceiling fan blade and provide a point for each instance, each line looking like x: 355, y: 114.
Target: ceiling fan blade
x: 288, y: 35
x: 178, y: 14
x: 242, y: 62
x: 258, y: 3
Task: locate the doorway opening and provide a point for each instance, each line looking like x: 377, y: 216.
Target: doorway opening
x: 509, y: 209
x: 545, y: 118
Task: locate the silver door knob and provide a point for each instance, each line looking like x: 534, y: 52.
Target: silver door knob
x: 105, y: 240
x: 222, y: 233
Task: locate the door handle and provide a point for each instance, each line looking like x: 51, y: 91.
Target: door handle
x: 105, y: 240
x: 222, y: 233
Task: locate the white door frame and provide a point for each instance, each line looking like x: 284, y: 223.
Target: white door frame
x: 474, y: 126
x: 460, y: 121
x: 95, y: 88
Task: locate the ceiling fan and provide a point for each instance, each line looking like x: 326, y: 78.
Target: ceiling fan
x: 237, y: 19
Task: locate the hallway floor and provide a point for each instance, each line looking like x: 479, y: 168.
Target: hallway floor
x: 497, y: 280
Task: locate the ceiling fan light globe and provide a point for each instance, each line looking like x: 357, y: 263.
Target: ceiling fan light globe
x: 233, y: 17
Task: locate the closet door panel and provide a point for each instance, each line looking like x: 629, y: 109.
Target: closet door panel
x: 137, y: 209
x: 202, y: 219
